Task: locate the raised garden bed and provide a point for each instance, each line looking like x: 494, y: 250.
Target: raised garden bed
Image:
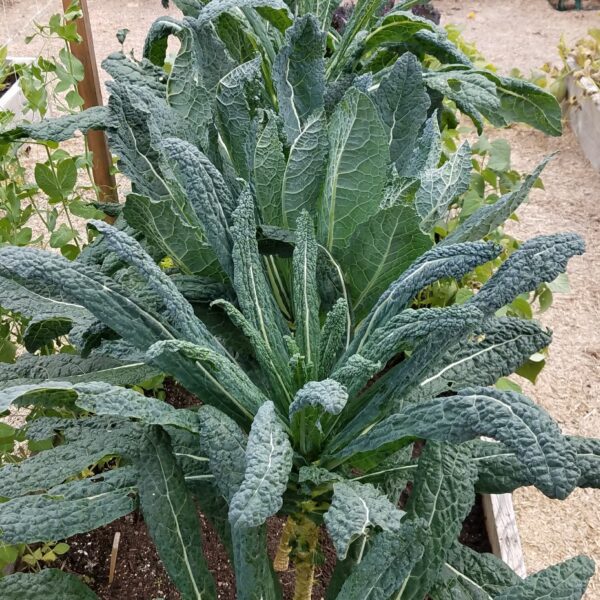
x: 502, y: 532
x: 583, y: 112
x: 575, y: 4
x: 139, y: 574
x: 11, y: 97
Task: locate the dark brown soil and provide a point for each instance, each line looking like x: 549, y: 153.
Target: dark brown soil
x: 140, y: 575
x: 474, y: 533
x: 178, y: 396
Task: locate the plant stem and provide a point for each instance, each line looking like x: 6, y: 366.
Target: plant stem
x: 270, y: 267
x: 305, y: 579
x: 281, y: 562
x: 258, y: 27
x: 307, y: 535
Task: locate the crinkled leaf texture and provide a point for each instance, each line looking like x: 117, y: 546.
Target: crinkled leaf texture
x: 61, y: 129
x: 441, y: 187
x: 387, y: 564
x: 171, y: 517
x: 541, y: 259
x: 484, y: 220
x: 68, y: 509
x: 31, y: 369
x: 452, y: 261
x: 87, y: 446
x: 299, y: 74
x: 358, y: 157
x: 403, y: 104
x: 470, y: 574
x: 316, y: 398
x: 52, y: 584
x: 224, y: 443
x: 355, y: 509
x: 442, y: 496
x: 509, y: 417
x: 268, y: 465
x: 565, y: 581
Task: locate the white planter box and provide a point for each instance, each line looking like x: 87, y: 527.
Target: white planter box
x: 13, y: 99
x: 583, y: 112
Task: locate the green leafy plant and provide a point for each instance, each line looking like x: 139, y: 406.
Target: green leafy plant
x: 275, y: 257
x: 306, y: 436
x: 57, y: 194
x: 582, y: 60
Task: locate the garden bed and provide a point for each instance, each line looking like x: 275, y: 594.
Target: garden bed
x: 11, y: 97
x: 139, y: 574
x: 583, y: 112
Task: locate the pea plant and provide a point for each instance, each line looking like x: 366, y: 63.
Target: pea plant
x: 47, y: 196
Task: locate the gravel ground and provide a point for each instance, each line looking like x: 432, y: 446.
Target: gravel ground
x: 510, y: 33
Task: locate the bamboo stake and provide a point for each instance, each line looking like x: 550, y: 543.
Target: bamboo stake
x: 89, y: 89
x: 113, y: 557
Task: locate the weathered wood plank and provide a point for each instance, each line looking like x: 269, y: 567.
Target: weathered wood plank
x: 501, y: 526
x: 583, y: 112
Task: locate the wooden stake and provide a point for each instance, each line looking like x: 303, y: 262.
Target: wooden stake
x: 113, y: 557
x: 89, y: 89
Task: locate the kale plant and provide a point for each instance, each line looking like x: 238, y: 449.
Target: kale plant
x: 280, y: 226
x: 370, y: 44
x: 320, y: 432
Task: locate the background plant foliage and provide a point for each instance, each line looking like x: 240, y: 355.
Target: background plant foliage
x: 585, y: 55
x: 300, y: 253
x: 48, y: 196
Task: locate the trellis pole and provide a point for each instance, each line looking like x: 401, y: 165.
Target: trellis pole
x: 89, y: 89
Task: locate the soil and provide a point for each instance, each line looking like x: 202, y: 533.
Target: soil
x: 140, y: 575
x: 474, y: 534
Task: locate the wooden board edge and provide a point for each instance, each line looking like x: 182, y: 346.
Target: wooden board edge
x: 501, y: 526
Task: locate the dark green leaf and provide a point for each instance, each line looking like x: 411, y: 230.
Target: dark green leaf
x: 51, y: 584
x: 171, y: 517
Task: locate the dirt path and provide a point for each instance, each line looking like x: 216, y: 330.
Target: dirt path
x: 513, y: 33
